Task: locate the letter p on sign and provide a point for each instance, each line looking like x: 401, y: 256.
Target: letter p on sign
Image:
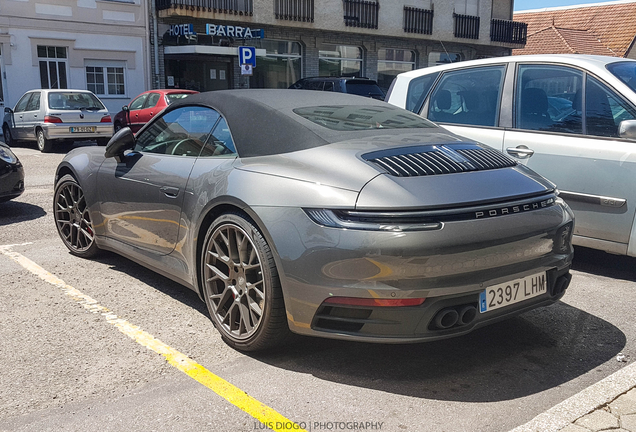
x: 247, y: 55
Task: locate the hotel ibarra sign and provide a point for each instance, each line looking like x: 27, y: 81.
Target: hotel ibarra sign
x: 236, y: 32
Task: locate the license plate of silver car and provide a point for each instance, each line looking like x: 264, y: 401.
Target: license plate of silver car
x: 515, y: 291
x: 82, y: 129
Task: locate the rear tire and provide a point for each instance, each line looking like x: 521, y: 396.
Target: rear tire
x: 44, y: 145
x: 72, y: 218
x: 102, y: 141
x: 241, y: 286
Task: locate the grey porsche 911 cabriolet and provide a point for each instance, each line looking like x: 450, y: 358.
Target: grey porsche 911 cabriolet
x: 320, y: 214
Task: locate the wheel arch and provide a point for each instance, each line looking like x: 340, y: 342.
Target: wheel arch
x: 213, y: 210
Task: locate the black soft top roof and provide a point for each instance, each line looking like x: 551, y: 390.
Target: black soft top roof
x: 263, y: 123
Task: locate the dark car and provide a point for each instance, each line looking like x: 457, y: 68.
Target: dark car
x: 145, y: 106
x: 321, y: 214
x: 11, y: 174
x: 352, y: 85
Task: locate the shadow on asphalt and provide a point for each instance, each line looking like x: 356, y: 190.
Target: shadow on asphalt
x: 537, y: 351
x: 15, y: 211
x: 58, y: 148
x: 153, y: 279
x: 525, y: 355
x: 604, y: 264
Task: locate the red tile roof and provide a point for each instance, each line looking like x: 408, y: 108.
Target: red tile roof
x: 605, y: 29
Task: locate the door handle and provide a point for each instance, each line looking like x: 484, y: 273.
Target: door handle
x: 170, y: 192
x: 521, y: 152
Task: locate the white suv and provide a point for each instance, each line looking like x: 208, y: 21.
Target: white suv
x: 45, y: 116
x: 571, y: 118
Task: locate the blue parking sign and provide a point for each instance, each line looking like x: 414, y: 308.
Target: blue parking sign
x: 247, y: 55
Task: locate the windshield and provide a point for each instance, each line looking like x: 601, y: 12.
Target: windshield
x: 74, y: 101
x: 172, y: 97
x: 354, y: 117
x: 624, y: 71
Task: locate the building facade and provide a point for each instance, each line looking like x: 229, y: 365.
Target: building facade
x: 197, y: 41
x: 99, y: 45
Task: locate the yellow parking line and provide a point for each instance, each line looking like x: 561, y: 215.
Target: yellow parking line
x: 231, y: 393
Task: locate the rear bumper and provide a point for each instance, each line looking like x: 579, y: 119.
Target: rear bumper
x: 55, y: 131
x: 448, y: 267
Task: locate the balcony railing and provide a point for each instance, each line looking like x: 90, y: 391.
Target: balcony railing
x: 508, y: 31
x: 466, y: 26
x: 418, y: 20
x: 236, y: 7
x: 294, y: 10
x: 361, y: 13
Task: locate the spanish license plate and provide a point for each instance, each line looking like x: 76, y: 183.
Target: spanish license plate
x: 518, y: 290
x: 82, y: 129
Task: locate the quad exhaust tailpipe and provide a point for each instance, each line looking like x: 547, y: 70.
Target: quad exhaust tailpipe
x: 454, y: 317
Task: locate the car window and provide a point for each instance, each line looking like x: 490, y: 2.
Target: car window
x: 365, y: 88
x: 152, y: 100
x: 34, y: 102
x: 22, y: 103
x: 548, y: 98
x: 604, y: 109
x: 220, y: 142
x: 418, y: 90
x: 182, y: 132
x: 138, y: 103
x: 328, y: 86
x: 175, y: 96
x: 313, y: 85
x: 74, y: 101
x: 469, y: 96
x: 354, y: 117
x: 624, y: 71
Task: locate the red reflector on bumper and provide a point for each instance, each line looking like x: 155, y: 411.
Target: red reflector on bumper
x: 355, y: 301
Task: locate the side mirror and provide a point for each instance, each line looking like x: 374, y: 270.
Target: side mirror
x: 125, y: 108
x: 8, y: 110
x: 627, y: 129
x: 120, y: 142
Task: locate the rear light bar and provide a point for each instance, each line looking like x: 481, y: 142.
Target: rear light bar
x: 372, y: 302
x: 52, y: 119
x: 106, y: 119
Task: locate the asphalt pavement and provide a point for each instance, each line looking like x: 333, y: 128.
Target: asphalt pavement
x: 67, y: 365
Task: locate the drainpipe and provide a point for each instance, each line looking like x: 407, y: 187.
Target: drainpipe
x: 155, y: 46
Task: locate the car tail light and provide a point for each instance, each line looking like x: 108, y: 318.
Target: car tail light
x: 106, y: 119
x: 52, y: 119
x: 355, y: 301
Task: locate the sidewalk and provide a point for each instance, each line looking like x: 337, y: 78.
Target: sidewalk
x: 608, y: 405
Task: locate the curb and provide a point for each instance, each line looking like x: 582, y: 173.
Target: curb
x: 584, y: 402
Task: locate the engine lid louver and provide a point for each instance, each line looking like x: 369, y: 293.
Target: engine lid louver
x: 438, y: 159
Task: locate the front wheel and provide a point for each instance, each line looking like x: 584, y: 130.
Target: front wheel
x: 241, y: 285
x: 44, y: 145
x: 72, y: 218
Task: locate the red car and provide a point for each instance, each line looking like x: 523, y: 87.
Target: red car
x: 145, y: 106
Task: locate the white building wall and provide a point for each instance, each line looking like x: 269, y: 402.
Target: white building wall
x: 94, y: 33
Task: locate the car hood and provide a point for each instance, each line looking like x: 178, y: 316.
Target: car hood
x: 368, y: 166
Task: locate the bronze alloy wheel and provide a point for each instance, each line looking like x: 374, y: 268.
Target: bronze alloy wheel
x: 241, y: 285
x: 72, y: 218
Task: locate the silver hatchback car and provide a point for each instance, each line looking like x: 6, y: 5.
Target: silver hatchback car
x: 570, y: 118
x: 45, y: 116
